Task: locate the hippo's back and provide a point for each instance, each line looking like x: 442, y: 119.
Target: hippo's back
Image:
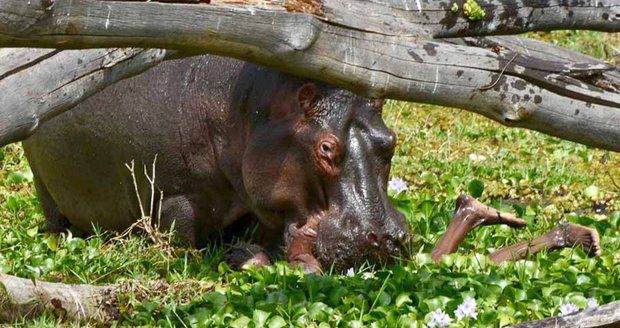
x: 79, y: 156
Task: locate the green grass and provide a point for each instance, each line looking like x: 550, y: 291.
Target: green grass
x: 442, y: 153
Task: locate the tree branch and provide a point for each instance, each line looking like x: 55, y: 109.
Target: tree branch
x: 437, y: 18
x: 604, y: 316
x: 23, y: 298
x: 577, y: 100
x: 38, y: 84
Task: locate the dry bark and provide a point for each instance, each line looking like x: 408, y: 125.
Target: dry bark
x: 576, y: 100
x: 24, y: 298
x: 37, y: 84
x: 604, y: 316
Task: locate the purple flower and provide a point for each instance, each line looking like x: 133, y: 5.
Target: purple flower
x: 592, y: 303
x: 439, y: 319
x: 568, y: 308
x: 396, y: 186
x: 466, y: 309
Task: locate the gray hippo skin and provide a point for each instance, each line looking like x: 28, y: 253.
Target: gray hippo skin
x: 235, y: 143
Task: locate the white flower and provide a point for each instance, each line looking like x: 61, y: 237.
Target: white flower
x: 466, y: 309
x: 592, y: 303
x: 397, y: 185
x: 439, y: 319
x: 368, y: 275
x: 477, y: 158
x: 568, y: 308
x: 350, y: 272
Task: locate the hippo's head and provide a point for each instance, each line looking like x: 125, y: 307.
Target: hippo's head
x: 319, y: 164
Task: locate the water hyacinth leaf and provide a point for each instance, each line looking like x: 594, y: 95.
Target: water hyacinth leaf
x: 217, y: 299
x: 32, y: 231
x: 448, y: 259
x: 515, y: 294
x: 427, y: 207
x: 435, y: 303
x: 242, y: 322
x: 383, y: 299
x: 423, y: 258
x: 577, y: 299
x: 276, y: 322
x: 519, y: 209
x: 475, y: 188
x: 260, y: 317
x: 427, y: 177
x: 583, y: 279
x: 402, y: 299
x: 317, y: 311
x: 52, y: 242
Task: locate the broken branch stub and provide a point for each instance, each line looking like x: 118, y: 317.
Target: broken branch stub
x: 38, y: 84
x: 576, y: 100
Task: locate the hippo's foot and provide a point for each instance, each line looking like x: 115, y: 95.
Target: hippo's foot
x: 243, y: 255
x: 470, y: 214
x: 571, y: 235
x: 56, y: 221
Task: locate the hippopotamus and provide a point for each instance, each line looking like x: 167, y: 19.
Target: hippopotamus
x: 235, y: 143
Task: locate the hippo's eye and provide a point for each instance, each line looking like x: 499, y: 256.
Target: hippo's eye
x: 328, y: 154
x: 327, y: 147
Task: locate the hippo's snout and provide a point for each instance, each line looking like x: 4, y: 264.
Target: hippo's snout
x: 344, y: 242
x: 390, y: 244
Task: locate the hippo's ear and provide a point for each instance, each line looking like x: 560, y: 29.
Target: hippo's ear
x: 308, y: 95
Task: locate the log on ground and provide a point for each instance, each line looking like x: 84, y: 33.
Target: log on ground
x: 24, y: 298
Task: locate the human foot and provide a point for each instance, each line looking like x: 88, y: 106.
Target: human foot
x: 570, y: 235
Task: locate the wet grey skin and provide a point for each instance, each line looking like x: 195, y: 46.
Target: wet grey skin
x: 236, y: 144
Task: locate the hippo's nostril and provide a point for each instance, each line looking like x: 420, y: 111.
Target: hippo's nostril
x: 373, y: 239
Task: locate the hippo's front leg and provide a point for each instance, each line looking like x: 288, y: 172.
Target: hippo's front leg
x: 301, y: 246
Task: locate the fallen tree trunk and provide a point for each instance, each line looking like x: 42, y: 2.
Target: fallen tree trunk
x: 604, y: 316
x: 575, y: 100
x: 23, y: 298
x: 38, y: 84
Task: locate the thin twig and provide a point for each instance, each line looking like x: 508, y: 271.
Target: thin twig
x: 490, y: 86
x: 151, y: 180
x: 135, y: 184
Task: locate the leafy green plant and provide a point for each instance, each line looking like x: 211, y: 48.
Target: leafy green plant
x: 473, y: 10
x: 441, y: 154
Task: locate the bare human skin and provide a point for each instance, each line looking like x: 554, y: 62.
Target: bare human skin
x: 470, y: 214
x: 238, y: 145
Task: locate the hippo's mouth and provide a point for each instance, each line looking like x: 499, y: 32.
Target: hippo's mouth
x: 342, y: 247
